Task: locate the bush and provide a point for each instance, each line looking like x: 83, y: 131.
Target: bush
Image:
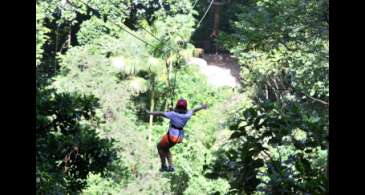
x: 68, y: 146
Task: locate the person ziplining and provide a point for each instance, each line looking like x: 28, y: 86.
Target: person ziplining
x: 175, y: 134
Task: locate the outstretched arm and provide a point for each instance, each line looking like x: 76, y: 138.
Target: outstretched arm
x: 203, y: 106
x: 156, y: 113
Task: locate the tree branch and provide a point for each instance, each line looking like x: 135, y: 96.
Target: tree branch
x: 312, y: 98
x: 317, y: 100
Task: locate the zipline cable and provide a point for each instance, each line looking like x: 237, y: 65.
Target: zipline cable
x: 174, y: 83
x: 140, y: 39
x: 150, y: 33
x: 196, y: 2
x: 95, y: 10
x: 135, y: 36
x: 211, y: 3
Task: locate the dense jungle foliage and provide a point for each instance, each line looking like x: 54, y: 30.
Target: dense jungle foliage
x: 101, y: 64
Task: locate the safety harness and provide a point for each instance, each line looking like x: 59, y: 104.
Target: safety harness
x: 171, y: 143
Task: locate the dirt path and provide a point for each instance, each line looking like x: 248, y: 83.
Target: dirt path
x: 221, y: 70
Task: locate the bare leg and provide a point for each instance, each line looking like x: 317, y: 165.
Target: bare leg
x: 162, y: 155
x: 169, y: 158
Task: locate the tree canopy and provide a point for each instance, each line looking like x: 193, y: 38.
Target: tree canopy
x: 101, y: 64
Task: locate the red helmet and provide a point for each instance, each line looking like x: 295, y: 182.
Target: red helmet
x: 182, y: 103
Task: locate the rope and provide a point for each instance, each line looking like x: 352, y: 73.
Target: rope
x: 211, y: 3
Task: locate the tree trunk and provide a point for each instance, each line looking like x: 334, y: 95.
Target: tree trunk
x: 266, y: 92
x: 276, y: 95
x: 55, y: 51
x: 216, y: 20
x: 69, y: 37
x: 152, y: 101
x: 327, y: 167
x: 169, y: 68
x: 214, y: 34
x: 167, y: 82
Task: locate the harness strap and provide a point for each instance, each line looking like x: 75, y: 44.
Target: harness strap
x: 168, y: 137
x: 173, y: 126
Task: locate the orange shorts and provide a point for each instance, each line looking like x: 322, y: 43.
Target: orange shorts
x: 166, y: 144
